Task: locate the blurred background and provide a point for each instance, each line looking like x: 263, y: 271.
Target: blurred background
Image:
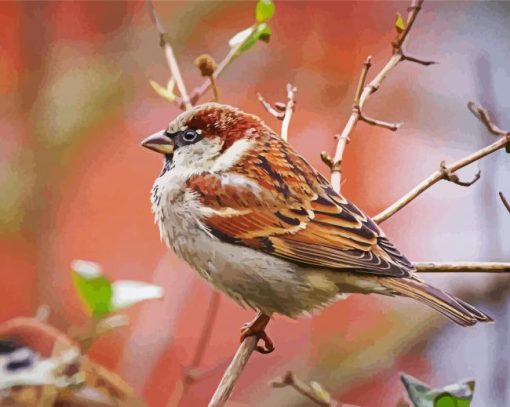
x: 74, y: 183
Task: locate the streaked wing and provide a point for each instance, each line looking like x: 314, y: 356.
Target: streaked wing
x: 273, y: 200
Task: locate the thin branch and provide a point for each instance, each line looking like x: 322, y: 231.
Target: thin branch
x: 273, y: 111
x: 233, y: 372
x: 170, y: 57
x: 437, y: 267
x: 363, y: 92
x: 379, y: 123
x: 448, y: 171
x: 413, y: 11
x: 482, y: 115
x: 418, y: 61
x: 289, y: 110
x: 450, y: 176
x: 505, y: 202
x: 205, y: 335
x: 323, y: 399
x: 229, y: 58
x: 282, y: 111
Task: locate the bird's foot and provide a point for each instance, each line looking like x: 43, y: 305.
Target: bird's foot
x: 257, y: 328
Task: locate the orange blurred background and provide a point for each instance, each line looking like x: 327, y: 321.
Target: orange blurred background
x: 74, y: 183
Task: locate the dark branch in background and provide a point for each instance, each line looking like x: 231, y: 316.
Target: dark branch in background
x: 505, y: 202
x: 282, y: 111
x: 205, y: 335
x: 313, y: 392
x: 363, y: 92
x: 447, y: 172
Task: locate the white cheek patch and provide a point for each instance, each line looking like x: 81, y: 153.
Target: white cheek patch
x: 232, y: 155
x: 198, y: 156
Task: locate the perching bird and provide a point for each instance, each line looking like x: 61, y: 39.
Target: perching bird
x: 258, y: 222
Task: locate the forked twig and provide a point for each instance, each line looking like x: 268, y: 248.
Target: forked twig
x: 318, y: 396
x: 170, y: 57
x: 363, y: 92
x: 448, y: 171
x: 282, y: 111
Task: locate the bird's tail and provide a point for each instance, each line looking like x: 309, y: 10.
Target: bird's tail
x: 453, y: 308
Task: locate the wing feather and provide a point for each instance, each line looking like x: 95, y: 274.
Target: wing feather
x: 273, y: 200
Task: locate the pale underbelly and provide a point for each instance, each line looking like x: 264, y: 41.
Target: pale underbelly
x: 252, y: 278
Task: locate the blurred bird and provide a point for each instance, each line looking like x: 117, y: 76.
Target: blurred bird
x: 253, y: 218
x: 41, y: 366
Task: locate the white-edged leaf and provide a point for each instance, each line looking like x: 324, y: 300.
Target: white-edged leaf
x: 127, y: 293
x: 240, y: 37
x: 86, y: 269
x: 421, y: 395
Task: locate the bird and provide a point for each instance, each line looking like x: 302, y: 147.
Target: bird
x: 258, y: 222
x: 40, y: 365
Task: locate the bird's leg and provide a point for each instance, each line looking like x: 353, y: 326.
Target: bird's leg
x: 257, y: 327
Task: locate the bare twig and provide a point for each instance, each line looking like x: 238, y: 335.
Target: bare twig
x: 505, y: 202
x: 435, y: 267
x: 375, y: 122
x: 273, y: 111
x: 364, y: 91
x: 289, y: 110
x: 448, y: 171
x: 233, y: 372
x: 170, y: 57
x: 282, y: 111
x: 324, y: 400
x: 450, y: 176
x: 231, y: 56
x: 482, y: 115
x: 418, y: 61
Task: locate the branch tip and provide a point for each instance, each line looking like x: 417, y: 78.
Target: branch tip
x: 449, y: 175
x: 505, y: 201
x: 483, y: 115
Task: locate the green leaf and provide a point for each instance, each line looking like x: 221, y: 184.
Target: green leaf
x: 93, y: 288
x: 400, y: 24
x: 454, y: 395
x: 320, y: 392
x: 265, y: 35
x: 247, y: 38
x: 101, y: 297
x: 264, y: 10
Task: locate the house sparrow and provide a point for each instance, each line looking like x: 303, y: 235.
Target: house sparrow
x: 260, y: 224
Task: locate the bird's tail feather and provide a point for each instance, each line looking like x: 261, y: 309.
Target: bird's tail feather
x: 453, y: 308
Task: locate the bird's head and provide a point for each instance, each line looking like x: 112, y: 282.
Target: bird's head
x: 207, y: 135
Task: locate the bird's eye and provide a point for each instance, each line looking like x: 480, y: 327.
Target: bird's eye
x: 189, y: 136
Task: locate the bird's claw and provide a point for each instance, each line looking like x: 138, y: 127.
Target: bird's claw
x: 256, y: 328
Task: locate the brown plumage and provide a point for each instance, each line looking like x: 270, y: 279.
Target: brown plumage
x: 253, y: 190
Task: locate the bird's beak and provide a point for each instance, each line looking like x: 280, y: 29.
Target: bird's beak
x: 159, y: 142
